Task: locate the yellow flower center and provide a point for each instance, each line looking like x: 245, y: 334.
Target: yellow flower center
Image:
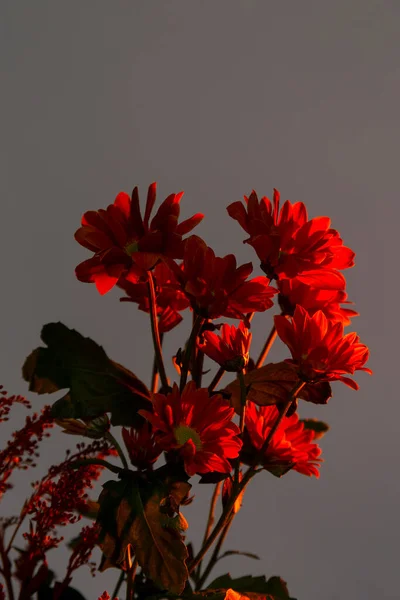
x: 183, y: 434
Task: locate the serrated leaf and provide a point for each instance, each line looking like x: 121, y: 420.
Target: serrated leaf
x: 143, y: 522
x: 272, y: 383
x: 96, y: 384
x: 318, y: 427
x: 251, y: 587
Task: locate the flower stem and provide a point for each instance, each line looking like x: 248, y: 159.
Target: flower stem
x: 216, y: 379
x: 243, y: 398
x: 131, y: 580
x: 155, y: 332
x: 110, y: 438
x: 95, y: 461
x: 118, y: 585
x: 215, y: 554
x: 224, y: 519
x: 292, y: 397
x: 189, y: 350
x: 267, y: 347
x: 211, y: 516
x: 154, y: 375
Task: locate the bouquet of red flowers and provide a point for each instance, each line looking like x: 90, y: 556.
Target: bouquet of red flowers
x: 155, y: 439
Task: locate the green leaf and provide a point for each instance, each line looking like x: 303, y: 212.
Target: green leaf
x: 273, y: 589
x: 318, y: 427
x: 140, y: 515
x: 96, y: 384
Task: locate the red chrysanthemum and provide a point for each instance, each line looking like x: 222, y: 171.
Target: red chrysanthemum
x: 291, y: 446
x: 170, y: 298
x: 319, y: 348
x: 287, y: 243
x: 230, y: 349
x: 216, y: 287
x: 293, y: 292
x: 142, y: 446
x: 199, y: 426
x: 125, y: 244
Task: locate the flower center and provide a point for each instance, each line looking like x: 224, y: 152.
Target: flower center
x: 183, y: 434
x: 132, y: 247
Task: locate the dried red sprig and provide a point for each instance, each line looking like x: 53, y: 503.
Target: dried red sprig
x: 287, y: 243
x: 80, y: 556
x: 291, y: 446
x: 21, y: 450
x: 216, y: 287
x: 319, y: 348
x: 125, y: 244
x: 198, y: 426
x: 6, y: 402
x: 57, y: 499
x: 230, y: 349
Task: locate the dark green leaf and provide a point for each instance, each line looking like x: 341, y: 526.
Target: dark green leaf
x: 96, y: 384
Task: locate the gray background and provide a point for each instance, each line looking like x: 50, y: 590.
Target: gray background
x: 216, y: 98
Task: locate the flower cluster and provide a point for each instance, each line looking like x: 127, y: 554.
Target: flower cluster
x: 226, y: 436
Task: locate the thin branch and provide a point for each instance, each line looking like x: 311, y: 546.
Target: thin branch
x: 267, y: 347
x: 216, y: 379
x: 110, y: 438
x: 189, y: 350
x: 155, y: 332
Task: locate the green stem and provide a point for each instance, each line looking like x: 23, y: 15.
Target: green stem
x: 243, y: 398
x: 292, y: 397
x: 224, y: 519
x: 96, y: 461
x: 211, y: 516
x: 131, y: 580
x: 215, y: 554
x: 267, y: 347
x: 154, y: 375
x: 109, y: 437
x: 118, y: 586
x: 155, y: 332
x: 216, y: 379
x: 189, y: 350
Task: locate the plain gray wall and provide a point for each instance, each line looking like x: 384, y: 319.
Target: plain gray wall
x: 216, y: 98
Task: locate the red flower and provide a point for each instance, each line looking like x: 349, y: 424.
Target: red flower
x: 319, y: 349
x: 230, y: 349
x: 125, y: 244
x: 142, y: 446
x: 169, y: 297
x: 216, y: 287
x: 199, y: 426
x: 287, y: 243
x: 291, y: 447
x: 293, y: 292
